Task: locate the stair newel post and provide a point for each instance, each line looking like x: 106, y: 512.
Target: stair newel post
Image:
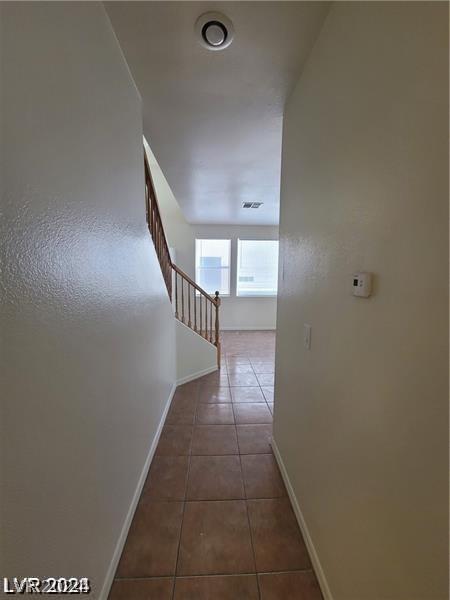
x: 200, y: 309
x: 217, y: 331
x: 210, y: 320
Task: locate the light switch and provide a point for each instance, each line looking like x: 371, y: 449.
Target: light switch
x: 307, y: 336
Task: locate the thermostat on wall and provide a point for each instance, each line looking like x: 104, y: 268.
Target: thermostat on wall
x: 362, y: 284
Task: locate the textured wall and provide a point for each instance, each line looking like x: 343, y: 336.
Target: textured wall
x: 361, y: 419
x: 88, y: 332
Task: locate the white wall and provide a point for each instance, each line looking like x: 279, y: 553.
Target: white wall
x: 361, y: 419
x: 235, y: 312
x: 195, y: 356
x: 179, y: 232
x: 87, y: 325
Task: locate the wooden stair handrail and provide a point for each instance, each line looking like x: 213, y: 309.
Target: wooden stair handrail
x: 213, y: 299
x: 156, y: 228
x: 203, y: 325
x: 154, y: 201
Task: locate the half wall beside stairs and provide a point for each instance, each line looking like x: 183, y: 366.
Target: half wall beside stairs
x: 195, y: 356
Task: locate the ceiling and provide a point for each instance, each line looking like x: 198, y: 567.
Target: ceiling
x: 214, y: 119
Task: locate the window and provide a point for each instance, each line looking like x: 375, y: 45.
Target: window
x: 257, y: 268
x: 212, y: 265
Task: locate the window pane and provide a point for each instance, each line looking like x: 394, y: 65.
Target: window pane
x: 212, y: 265
x: 257, y: 268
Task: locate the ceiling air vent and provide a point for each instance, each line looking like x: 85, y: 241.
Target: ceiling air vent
x: 251, y: 204
x: 214, y: 31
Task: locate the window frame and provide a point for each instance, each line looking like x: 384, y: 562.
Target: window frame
x: 209, y: 239
x: 254, y: 294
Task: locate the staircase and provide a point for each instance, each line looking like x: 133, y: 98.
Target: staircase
x: 193, y: 307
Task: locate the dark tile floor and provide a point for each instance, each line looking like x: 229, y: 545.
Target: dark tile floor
x: 214, y: 521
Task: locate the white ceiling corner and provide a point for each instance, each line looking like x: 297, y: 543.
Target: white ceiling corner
x: 214, y: 119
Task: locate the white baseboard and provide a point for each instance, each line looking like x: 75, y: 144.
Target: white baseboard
x: 196, y: 375
x: 303, y: 527
x: 137, y: 494
x: 246, y: 328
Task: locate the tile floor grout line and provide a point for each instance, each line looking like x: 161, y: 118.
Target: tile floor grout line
x: 271, y: 412
x: 246, y: 512
x: 218, y: 574
x: 185, y: 495
x: 261, y: 390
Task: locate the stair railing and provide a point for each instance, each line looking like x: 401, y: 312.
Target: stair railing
x: 194, y: 307
x: 156, y: 228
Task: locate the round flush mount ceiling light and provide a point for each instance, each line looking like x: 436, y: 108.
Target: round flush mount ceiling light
x: 214, y: 31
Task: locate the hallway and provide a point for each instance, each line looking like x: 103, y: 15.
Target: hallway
x: 214, y: 521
